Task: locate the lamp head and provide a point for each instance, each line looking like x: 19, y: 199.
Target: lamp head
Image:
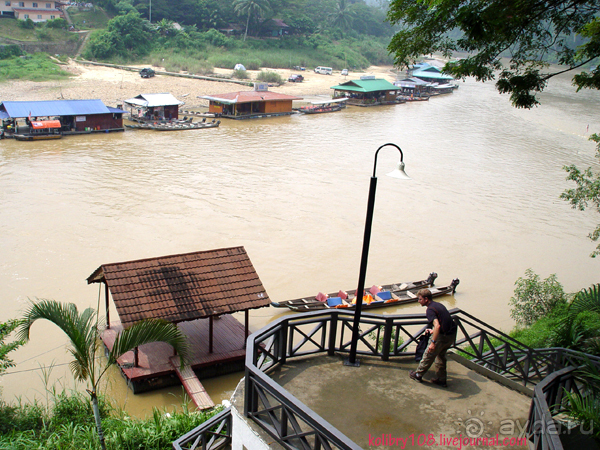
x: 399, y: 172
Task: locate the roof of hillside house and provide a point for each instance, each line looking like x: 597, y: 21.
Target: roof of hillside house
x: 152, y: 100
x: 249, y: 96
x: 46, y: 108
x: 183, y: 287
x: 370, y: 85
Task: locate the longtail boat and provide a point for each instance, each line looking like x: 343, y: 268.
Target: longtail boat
x: 371, y: 299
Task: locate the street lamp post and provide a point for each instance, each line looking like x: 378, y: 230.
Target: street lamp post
x: 398, y: 173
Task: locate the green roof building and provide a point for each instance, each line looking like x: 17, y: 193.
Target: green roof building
x: 368, y: 91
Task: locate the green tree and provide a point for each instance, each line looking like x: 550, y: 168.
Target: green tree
x: 528, y: 33
x: 342, y: 15
x: 6, y: 347
x: 249, y: 8
x: 535, y: 298
x: 587, y: 192
x: 83, y: 332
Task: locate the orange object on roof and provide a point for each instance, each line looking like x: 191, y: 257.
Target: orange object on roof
x: 43, y: 124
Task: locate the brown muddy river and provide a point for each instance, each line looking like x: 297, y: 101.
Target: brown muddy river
x: 483, y: 205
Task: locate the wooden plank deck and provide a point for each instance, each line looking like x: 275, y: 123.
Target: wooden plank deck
x: 192, y: 385
x: 154, y: 360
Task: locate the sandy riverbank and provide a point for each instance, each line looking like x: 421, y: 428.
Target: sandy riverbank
x: 112, y: 86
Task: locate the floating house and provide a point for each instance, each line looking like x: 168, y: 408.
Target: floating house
x: 430, y: 74
x: 414, y: 87
x: 75, y: 116
x: 250, y: 104
x: 154, y: 107
x: 198, y: 291
x: 368, y: 91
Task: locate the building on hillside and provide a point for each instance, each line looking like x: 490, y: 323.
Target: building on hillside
x: 250, y: 104
x: 275, y: 28
x: 76, y: 116
x: 154, y: 107
x: 368, y: 91
x: 38, y: 11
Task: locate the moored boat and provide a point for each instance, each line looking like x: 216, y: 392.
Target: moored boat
x: 324, y: 106
x: 372, y: 298
x: 41, y: 130
x: 175, y: 125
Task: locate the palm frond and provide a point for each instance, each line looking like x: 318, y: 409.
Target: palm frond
x: 586, y: 300
x: 76, y: 326
x: 145, y: 332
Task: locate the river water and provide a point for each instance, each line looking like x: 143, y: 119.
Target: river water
x: 483, y: 205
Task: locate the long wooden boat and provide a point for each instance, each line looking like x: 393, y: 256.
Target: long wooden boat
x: 397, y: 288
x: 36, y: 137
x: 324, y: 106
x: 380, y: 300
x: 175, y: 126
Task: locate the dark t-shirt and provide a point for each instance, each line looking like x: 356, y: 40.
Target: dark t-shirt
x: 438, y: 311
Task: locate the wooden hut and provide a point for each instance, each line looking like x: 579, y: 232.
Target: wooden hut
x: 368, y: 91
x: 150, y: 107
x: 250, y: 104
x: 198, y: 291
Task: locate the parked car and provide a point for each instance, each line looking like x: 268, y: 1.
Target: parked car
x: 295, y: 78
x: 147, y: 72
x: 344, y: 71
x: 299, y: 68
x: 324, y: 70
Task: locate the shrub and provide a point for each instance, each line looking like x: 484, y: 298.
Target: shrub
x: 21, y: 417
x: 535, y: 298
x: 8, y: 51
x: 76, y: 408
x: 269, y: 77
x: 56, y: 23
x: 241, y: 74
x: 28, y: 24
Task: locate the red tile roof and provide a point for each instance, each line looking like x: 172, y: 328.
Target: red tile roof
x: 183, y: 287
x: 251, y: 96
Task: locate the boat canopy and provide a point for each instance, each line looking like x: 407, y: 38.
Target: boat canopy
x: 45, y: 124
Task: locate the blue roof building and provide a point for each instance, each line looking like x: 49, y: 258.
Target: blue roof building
x: 76, y: 116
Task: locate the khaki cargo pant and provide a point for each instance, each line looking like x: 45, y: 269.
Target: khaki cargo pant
x: 438, y: 355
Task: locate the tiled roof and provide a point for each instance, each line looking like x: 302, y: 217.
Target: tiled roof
x: 183, y: 287
x: 249, y: 96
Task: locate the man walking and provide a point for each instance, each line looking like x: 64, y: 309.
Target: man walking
x: 443, y: 337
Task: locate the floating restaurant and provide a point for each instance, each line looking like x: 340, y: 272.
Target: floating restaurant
x: 250, y: 104
x: 368, y: 91
x: 75, y: 116
x: 198, y: 291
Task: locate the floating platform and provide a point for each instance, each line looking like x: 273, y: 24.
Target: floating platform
x: 156, y: 361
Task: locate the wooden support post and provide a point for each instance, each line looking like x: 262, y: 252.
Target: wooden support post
x: 246, y: 322
x: 210, y: 334
x: 107, y: 305
x: 135, y: 357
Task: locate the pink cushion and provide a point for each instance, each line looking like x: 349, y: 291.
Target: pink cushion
x: 343, y: 295
x: 375, y: 290
x: 321, y: 297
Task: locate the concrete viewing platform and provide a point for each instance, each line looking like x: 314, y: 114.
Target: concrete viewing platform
x: 377, y: 405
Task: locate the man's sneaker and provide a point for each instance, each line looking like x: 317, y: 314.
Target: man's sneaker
x: 415, y: 376
x: 439, y: 382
